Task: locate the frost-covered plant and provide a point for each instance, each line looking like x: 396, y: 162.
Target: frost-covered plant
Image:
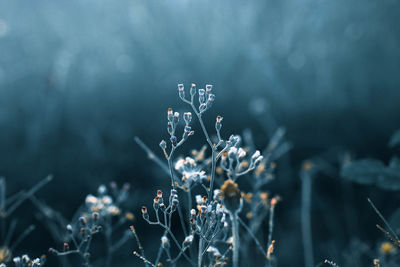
x: 8, y: 204
x: 100, y: 214
x: 212, y: 226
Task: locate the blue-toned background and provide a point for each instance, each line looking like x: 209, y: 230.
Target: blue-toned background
x: 80, y: 79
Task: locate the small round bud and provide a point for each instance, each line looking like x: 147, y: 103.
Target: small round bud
x: 188, y: 240
x: 156, y: 203
x: 211, y: 97
x: 52, y: 251
x: 202, y: 97
x: 199, y: 199
x: 113, y: 185
x: 181, y: 91
x: 173, y: 140
x: 66, y: 246
x: 175, y: 202
x: 258, y: 160
x: 218, y: 124
x: 82, y: 220
x: 203, y: 209
x: 159, y: 193
x: 102, y: 189
x: 232, y: 152
x: 163, y: 145
x: 69, y: 228
x: 174, y: 192
x: 126, y: 186
x: 187, y: 117
x: 164, y: 241
x: 162, y: 206
x: 144, y: 213
x: 208, y: 88
x: 193, y: 212
x: 193, y: 89
x: 95, y: 216
x: 170, y: 114
x: 255, y: 155
x: 144, y: 210
x: 176, y: 117
x: 241, y: 153
x: 83, y: 231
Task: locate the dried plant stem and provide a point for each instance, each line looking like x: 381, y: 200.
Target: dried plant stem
x: 235, y: 235
x: 151, y: 155
x: 200, y: 255
x: 108, y: 233
x: 306, y: 219
x: 384, y: 220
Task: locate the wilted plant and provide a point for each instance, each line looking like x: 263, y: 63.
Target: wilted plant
x: 212, y: 226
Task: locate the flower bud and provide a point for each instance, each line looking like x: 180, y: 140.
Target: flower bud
x: 188, y: 240
x: 258, y: 161
x: 241, y: 153
x: 174, y: 193
x: 202, y: 96
x: 193, y: 89
x: 208, y: 88
x: 187, y: 117
x: 156, y: 202
x: 173, y: 140
x: 113, y: 185
x: 218, y: 124
x: 170, y: 114
x: 176, y: 117
x: 175, y: 202
x: 193, y: 212
x: 159, y: 193
x: 163, y: 145
x: 181, y: 91
x: 102, y: 189
x: 165, y: 242
x: 145, y: 213
x: 69, y: 228
x: 66, y: 246
x: 232, y: 152
x: 203, y: 209
x: 82, y: 220
x: 126, y: 186
x: 95, y: 216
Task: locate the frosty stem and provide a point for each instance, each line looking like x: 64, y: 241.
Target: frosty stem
x: 235, y: 235
x: 306, y: 218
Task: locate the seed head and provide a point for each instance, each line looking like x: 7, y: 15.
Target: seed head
x: 231, y: 195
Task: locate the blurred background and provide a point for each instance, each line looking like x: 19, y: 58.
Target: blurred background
x: 80, y: 78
